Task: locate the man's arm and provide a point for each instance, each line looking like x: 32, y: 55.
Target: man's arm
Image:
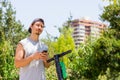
x: 20, y: 61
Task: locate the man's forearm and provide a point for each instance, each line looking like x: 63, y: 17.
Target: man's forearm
x: 23, y: 62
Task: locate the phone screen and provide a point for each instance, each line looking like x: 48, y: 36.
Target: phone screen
x: 44, y: 50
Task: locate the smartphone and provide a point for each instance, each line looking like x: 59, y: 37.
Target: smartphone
x: 45, y: 51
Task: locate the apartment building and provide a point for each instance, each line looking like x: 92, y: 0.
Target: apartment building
x: 82, y: 28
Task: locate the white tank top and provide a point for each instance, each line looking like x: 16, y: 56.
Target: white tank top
x: 34, y: 70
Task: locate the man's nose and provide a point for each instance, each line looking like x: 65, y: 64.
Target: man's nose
x: 40, y: 27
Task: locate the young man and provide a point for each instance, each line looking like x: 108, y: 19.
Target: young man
x: 30, y: 56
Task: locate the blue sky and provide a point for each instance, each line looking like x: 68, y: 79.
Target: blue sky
x: 56, y: 12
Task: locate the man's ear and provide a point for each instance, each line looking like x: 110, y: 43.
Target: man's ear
x: 31, y: 26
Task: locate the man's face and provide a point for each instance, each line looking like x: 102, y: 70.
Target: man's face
x: 37, y: 28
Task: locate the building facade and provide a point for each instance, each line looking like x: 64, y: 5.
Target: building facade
x: 82, y: 28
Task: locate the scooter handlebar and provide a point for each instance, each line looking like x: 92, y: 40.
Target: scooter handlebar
x: 59, y: 55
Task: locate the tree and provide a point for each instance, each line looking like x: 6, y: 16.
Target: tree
x: 113, y: 1
x: 112, y: 15
x: 102, y: 57
x: 11, y: 31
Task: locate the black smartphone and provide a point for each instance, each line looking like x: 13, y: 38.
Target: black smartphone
x: 45, y: 51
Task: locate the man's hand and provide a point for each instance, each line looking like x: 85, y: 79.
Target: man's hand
x: 38, y: 55
x: 46, y: 57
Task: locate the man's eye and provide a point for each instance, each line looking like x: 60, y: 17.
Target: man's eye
x: 37, y: 24
x: 42, y: 26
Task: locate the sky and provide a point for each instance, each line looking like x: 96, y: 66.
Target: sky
x: 56, y: 12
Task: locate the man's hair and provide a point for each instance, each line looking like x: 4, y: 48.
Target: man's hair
x: 34, y: 21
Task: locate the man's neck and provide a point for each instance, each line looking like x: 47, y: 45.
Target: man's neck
x: 34, y: 37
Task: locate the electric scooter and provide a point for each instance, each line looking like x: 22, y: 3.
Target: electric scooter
x: 57, y: 63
